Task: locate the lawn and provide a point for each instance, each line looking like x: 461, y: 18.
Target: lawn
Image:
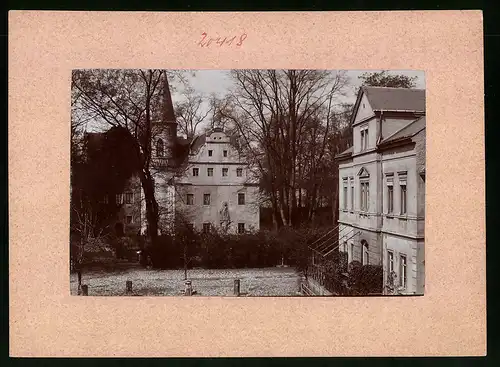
x: 206, y: 282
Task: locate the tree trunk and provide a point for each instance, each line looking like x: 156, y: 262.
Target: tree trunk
x: 151, y: 205
x: 282, y: 208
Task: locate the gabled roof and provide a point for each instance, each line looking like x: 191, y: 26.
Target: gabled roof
x: 395, y: 99
x: 200, y: 140
x: 391, y: 99
x: 410, y: 130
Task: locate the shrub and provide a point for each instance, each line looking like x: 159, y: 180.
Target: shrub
x: 365, y: 279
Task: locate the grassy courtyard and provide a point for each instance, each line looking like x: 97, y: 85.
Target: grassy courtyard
x: 206, y: 282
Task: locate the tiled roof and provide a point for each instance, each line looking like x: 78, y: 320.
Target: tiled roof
x: 400, y: 99
x: 198, y: 141
x: 408, y: 131
x: 346, y: 152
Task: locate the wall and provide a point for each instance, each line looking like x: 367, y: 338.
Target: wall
x: 413, y: 250
x: 420, y: 147
x: 394, y: 161
x: 133, y: 209
x: 221, y: 188
x: 364, y: 110
x: 199, y: 213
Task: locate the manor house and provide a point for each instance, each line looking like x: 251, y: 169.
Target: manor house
x: 382, y: 186
x: 202, y: 181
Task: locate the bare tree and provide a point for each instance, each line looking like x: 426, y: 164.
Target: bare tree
x: 130, y: 99
x: 281, y: 115
x: 191, y: 112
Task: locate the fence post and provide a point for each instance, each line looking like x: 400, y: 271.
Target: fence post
x: 129, y: 286
x: 189, y: 289
x: 85, y: 290
x: 237, y: 287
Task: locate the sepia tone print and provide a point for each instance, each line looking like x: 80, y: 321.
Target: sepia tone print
x: 247, y: 183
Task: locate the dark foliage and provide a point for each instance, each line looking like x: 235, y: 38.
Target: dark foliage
x: 366, y: 279
x: 384, y: 79
x: 100, y: 170
x: 219, y: 250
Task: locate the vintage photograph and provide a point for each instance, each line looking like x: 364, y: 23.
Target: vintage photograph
x: 247, y: 183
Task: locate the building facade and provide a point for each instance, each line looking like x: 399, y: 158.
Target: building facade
x: 382, y: 186
x: 202, y: 181
x: 216, y: 188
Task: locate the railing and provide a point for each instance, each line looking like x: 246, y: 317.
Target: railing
x: 331, y: 281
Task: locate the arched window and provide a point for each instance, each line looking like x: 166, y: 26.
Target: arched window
x: 365, y: 257
x: 159, y: 148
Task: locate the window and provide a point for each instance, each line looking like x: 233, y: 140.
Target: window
x: 352, y: 193
x: 352, y: 251
x: 390, y: 199
x: 224, y: 153
x: 206, y: 227
x: 364, y: 138
x: 241, y: 227
x: 190, y: 226
x: 241, y: 198
x: 159, y: 148
x: 129, y: 198
x: 206, y: 199
x: 239, y: 172
x: 190, y: 199
x: 390, y: 262
x: 119, y: 199
x: 365, y: 196
x: 402, y: 271
x: 106, y: 199
x: 365, y: 254
x: 196, y: 171
x: 129, y: 219
x: 403, y: 199
x: 210, y: 153
x: 210, y: 172
x: 345, y: 194
x: 224, y: 172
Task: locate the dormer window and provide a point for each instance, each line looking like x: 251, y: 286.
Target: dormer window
x: 159, y: 148
x: 364, y: 138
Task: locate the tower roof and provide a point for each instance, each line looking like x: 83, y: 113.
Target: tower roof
x: 168, y: 115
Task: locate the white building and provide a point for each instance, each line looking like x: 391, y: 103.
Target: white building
x: 382, y: 186
x: 202, y: 180
x: 217, y: 189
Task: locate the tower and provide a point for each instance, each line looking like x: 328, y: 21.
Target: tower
x: 168, y: 120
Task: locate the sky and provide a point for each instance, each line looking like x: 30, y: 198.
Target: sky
x: 219, y: 82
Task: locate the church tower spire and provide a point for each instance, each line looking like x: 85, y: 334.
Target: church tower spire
x: 168, y: 107
x: 168, y: 119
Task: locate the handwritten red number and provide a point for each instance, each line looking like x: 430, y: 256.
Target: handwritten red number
x: 242, y: 38
x: 204, y: 34
x: 221, y: 42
